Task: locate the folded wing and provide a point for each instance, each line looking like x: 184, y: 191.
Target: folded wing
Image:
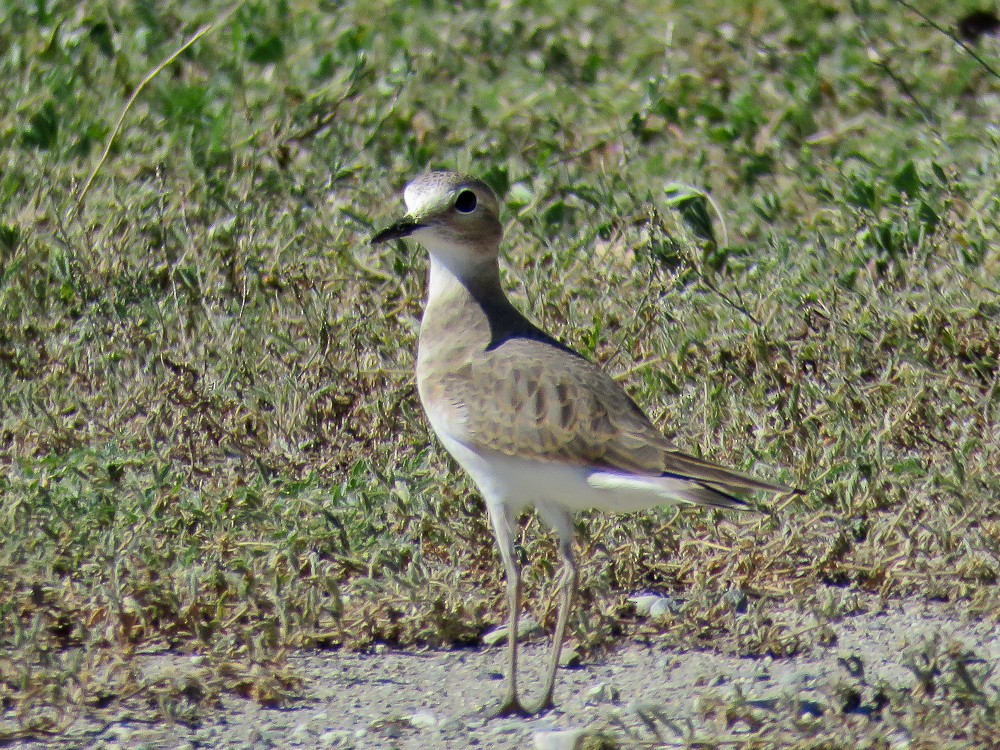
x: 533, y: 398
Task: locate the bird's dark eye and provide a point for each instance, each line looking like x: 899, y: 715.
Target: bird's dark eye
x: 466, y: 201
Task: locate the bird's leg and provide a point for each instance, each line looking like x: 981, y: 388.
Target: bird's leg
x: 511, y: 704
x: 503, y: 528
x: 567, y: 590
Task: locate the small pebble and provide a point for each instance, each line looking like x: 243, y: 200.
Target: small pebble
x: 569, y: 739
x: 603, y: 692
x: 570, y: 658
x: 654, y: 605
x: 526, y: 627
x: 423, y: 720
x: 452, y: 724
x: 736, y: 599
x: 392, y: 731
x: 508, y: 727
x: 336, y: 738
x: 643, y: 603
x: 664, y: 605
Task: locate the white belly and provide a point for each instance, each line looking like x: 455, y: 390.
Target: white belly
x: 517, y: 483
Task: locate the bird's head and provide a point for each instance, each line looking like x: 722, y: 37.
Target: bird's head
x: 454, y: 216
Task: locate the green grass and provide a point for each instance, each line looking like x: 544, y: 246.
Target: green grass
x: 209, y: 431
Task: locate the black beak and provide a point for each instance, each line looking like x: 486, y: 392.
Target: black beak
x: 399, y: 230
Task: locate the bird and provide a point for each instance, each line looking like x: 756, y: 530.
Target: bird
x: 532, y: 421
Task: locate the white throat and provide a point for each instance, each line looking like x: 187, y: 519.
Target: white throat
x: 454, y: 267
x: 441, y: 281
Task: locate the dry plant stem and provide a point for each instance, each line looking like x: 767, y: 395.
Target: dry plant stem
x: 937, y: 27
x: 206, y: 28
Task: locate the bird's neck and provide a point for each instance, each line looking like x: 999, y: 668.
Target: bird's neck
x: 448, y: 284
x: 464, y: 315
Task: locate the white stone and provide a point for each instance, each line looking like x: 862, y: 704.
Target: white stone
x: 423, y: 720
x: 567, y: 739
x: 526, y: 627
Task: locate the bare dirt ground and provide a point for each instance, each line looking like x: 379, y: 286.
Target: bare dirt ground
x: 435, y: 699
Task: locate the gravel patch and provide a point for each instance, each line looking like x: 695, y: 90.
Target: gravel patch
x: 436, y: 699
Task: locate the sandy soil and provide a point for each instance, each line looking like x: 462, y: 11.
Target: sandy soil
x: 435, y: 699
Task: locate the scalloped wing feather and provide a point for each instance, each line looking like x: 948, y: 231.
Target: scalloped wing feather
x: 530, y: 399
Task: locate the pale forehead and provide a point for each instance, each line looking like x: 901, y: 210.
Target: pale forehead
x: 431, y: 187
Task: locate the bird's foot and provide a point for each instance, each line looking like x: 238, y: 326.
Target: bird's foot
x: 509, y: 706
x: 542, y: 706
